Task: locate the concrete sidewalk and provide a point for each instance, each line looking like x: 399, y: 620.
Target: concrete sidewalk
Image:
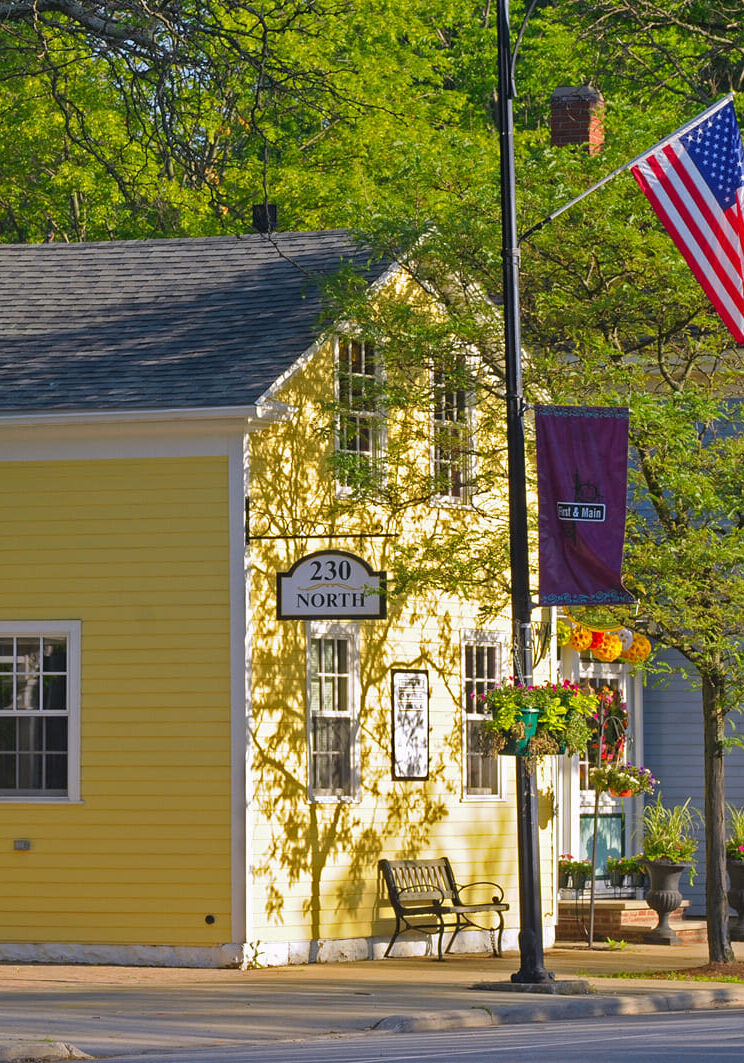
x: 52, y: 1013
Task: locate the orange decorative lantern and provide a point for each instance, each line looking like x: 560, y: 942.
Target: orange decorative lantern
x: 581, y: 638
x: 609, y: 648
x: 639, y: 649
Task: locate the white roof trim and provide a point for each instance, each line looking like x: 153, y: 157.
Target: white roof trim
x: 259, y: 414
x: 308, y: 354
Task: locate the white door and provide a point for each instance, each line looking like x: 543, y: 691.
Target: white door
x: 617, y: 818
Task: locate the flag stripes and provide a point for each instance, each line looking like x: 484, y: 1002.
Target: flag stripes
x: 692, y: 205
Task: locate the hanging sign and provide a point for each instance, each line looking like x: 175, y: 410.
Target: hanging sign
x: 582, y: 476
x: 331, y: 585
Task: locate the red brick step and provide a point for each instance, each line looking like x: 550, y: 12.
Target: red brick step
x: 622, y: 920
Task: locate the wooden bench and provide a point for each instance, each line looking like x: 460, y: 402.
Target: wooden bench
x: 426, y: 898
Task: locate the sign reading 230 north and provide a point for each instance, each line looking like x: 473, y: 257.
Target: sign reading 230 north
x: 331, y: 585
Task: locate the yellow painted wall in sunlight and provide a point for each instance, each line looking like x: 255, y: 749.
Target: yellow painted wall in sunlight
x: 316, y: 863
x: 136, y: 550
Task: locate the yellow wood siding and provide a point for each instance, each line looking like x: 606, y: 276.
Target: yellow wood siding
x: 316, y: 863
x: 137, y: 550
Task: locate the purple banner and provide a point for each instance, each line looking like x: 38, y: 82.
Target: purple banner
x: 582, y: 477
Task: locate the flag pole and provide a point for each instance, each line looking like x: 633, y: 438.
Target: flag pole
x: 532, y: 969
x: 626, y: 166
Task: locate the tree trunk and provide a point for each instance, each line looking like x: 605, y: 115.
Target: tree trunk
x: 716, y: 901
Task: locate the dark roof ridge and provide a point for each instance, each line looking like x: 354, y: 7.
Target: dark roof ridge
x: 147, y: 241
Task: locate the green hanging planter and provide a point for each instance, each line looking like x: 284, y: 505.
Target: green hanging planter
x: 518, y: 747
x: 535, y: 721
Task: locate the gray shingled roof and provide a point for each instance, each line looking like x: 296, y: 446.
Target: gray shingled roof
x: 157, y: 324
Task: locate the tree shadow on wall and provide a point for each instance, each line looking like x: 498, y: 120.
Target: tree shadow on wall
x: 307, y: 838
x: 327, y: 852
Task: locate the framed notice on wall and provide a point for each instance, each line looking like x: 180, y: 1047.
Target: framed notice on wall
x: 410, y: 725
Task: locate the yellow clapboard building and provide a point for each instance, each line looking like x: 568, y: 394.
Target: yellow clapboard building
x: 216, y: 716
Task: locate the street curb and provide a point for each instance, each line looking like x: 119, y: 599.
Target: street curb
x: 583, y: 1008
x: 39, y: 1052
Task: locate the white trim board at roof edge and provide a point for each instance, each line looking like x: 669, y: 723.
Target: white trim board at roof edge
x: 325, y: 337
x: 343, y: 327
x: 43, y: 439
x: 258, y: 415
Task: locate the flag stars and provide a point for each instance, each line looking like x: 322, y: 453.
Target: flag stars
x: 716, y: 149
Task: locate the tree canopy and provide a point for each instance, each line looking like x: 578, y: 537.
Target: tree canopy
x: 134, y: 120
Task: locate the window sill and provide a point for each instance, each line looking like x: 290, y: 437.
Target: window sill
x: 451, y: 503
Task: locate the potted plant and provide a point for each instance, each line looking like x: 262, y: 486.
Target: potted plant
x: 637, y: 873
x: 622, y: 780
x: 573, y: 872
x: 535, y: 721
x: 616, y: 870
x: 626, y: 870
x: 669, y: 849
x: 735, y: 868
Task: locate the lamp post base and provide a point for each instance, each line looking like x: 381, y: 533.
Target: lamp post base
x: 532, y: 971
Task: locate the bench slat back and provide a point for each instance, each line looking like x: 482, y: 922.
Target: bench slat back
x: 423, y: 880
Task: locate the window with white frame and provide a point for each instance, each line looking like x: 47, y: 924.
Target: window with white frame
x: 483, y: 655
x: 451, y: 425
x: 333, y: 710
x: 360, y: 426
x: 39, y: 710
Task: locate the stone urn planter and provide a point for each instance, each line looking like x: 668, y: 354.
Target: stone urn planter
x: 735, y: 896
x: 664, y: 897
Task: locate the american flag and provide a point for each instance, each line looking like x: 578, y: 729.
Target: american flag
x: 694, y: 180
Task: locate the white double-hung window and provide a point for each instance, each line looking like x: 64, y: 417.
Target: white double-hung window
x: 482, y: 668
x: 452, y: 430
x: 333, y: 710
x: 360, y: 426
x: 40, y: 710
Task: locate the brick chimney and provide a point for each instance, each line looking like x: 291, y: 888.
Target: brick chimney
x: 577, y: 117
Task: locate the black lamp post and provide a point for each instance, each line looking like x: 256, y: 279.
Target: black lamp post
x: 532, y: 968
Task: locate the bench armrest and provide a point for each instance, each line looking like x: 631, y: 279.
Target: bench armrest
x: 498, y: 896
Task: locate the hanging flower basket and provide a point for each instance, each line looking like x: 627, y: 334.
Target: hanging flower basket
x: 518, y: 747
x: 533, y: 721
x: 622, y: 780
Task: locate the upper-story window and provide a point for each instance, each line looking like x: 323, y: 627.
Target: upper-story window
x: 451, y: 424
x: 360, y: 427
x: 39, y: 710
